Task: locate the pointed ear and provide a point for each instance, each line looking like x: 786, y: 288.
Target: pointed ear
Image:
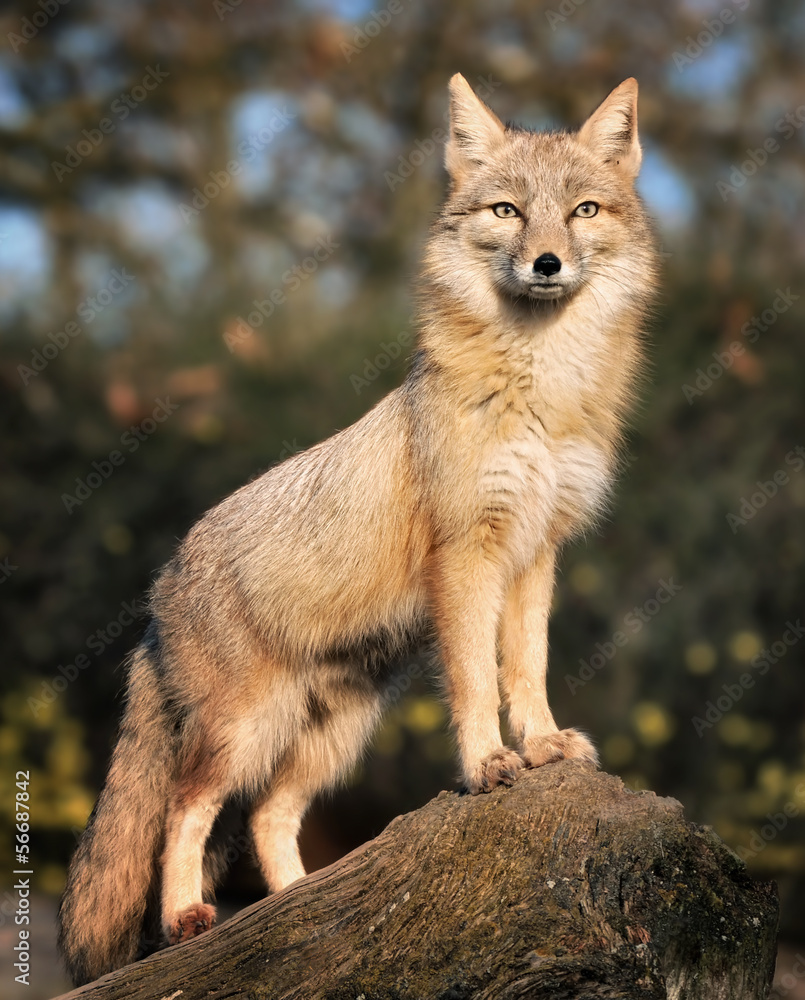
x: 611, y: 130
x: 475, y: 132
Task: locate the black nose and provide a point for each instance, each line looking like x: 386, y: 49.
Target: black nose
x: 547, y: 264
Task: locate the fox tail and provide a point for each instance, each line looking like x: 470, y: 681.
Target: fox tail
x: 108, y: 915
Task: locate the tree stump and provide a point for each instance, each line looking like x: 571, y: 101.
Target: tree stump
x: 567, y: 885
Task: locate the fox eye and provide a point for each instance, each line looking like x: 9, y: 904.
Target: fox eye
x: 505, y: 210
x: 586, y: 210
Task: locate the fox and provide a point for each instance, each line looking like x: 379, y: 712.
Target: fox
x: 440, y: 514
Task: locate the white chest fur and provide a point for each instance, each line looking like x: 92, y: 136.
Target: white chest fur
x: 544, y: 471
x: 532, y: 487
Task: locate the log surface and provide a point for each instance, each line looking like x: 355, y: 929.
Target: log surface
x: 565, y: 886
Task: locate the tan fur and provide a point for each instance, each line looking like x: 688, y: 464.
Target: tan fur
x: 441, y: 511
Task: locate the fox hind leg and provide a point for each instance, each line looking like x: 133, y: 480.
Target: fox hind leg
x: 191, y: 814
x: 275, y: 823
x: 340, y: 717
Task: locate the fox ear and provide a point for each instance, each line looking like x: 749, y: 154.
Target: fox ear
x: 611, y: 129
x: 475, y: 132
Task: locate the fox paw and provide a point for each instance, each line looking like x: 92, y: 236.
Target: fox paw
x: 191, y: 922
x: 564, y: 744
x: 498, y: 768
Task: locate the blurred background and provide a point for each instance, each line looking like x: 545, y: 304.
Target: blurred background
x: 211, y: 217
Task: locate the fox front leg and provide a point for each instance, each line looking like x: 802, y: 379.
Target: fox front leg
x: 467, y: 598
x: 524, y: 651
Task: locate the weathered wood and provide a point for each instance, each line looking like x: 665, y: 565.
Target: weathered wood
x: 567, y: 885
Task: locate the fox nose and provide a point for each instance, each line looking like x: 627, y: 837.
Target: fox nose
x: 547, y: 264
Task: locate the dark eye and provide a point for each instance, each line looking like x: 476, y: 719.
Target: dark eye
x: 586, y: 210
x: 504, y: 210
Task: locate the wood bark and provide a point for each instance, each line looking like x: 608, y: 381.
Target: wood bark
x: 567, y: 885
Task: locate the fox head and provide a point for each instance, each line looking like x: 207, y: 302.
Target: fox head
x: 540, y: 217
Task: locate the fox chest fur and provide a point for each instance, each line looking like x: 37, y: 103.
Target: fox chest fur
x: 529, y: 444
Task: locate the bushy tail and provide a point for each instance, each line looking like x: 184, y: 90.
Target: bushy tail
x: 112, y: 884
